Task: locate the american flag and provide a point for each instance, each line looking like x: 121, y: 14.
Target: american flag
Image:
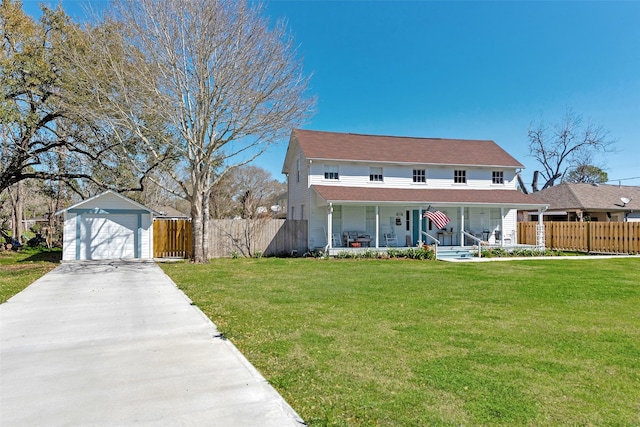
x: 438, y: 218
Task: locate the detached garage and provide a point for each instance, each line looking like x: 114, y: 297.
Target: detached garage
x: 107, y: 226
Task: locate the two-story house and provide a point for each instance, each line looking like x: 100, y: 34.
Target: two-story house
x: 381, y: 186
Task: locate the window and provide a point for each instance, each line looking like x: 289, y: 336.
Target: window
x: 375, y: 174
x: 298, y: 170
x: 460, y: 177
x: 419, y: 175
x: 301, y: 211
x: 498, y: 177
x: 331, y: 172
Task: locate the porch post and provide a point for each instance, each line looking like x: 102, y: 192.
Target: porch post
x: 420, y: 225
x: 540, y: 230
x: 330, y: 226
x: 377, y: 226
x: 502, y: 227
x: 461, y: 241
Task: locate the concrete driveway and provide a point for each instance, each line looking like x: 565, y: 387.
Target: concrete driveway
x: 116, y: 343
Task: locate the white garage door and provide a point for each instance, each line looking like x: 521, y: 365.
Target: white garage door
x: 108, y: 236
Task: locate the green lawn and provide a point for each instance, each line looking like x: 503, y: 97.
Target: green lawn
x: 19, y: 269
x: 411, y: 343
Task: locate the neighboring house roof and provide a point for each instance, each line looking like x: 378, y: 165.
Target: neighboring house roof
x: 568, y: 196
x: 319, y: 145
x: 90, y: 200
x: 426, y: 196
x: 170, y: 212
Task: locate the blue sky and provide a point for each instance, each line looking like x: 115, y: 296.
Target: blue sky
x: 468, y: 69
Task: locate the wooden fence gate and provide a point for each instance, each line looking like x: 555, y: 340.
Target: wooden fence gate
x: 172, y: 238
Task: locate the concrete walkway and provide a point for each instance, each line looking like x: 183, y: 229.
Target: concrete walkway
x: 116, y: 343
x: 534, y: 258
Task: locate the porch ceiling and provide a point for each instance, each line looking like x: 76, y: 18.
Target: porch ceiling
x: 360, y: 195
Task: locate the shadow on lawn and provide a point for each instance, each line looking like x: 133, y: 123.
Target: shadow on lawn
x: 46, y: 255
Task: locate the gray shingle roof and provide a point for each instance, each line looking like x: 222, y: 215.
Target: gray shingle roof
x: 590, y: 197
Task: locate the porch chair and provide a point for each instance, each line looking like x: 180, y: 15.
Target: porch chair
x: 498, y: 234
x: 390, y: 239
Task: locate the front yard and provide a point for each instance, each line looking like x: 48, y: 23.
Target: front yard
x: 407, y: 343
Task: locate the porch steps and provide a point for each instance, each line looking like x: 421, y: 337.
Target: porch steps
x: 454, y: 252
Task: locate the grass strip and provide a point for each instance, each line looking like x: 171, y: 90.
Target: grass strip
x: 18, y: 269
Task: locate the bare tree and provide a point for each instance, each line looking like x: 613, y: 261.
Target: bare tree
x: 247, y: 192
x: 566, y: 146
x: 218, y: 79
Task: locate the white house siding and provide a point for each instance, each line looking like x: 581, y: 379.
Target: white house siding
x: 147, y: 236
x: 298, y: 190
x: 511, y: 225
x: 317, y: 223
x: 69, y: 236
x: 401, y: 176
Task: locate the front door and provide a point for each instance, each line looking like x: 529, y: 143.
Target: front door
x: 415, y: 227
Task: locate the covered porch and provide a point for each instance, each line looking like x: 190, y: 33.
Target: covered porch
x: 391, y: 219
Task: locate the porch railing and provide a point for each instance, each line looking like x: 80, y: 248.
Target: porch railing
x: 436, y: 241
x: 479, y: 241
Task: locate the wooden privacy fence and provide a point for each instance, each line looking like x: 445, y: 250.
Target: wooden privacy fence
x: 172, y: 238
x: 594, y: 237
x: 252, y: 237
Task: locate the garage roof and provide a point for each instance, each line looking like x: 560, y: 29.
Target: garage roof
x: 107, y: 199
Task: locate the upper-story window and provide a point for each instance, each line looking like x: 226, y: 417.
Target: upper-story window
x: 419, y: 175
x: 460, y: 176
x: 497, y: 177
x: 375, y: 174
x: 331, y: 172
x: 298, y: 170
